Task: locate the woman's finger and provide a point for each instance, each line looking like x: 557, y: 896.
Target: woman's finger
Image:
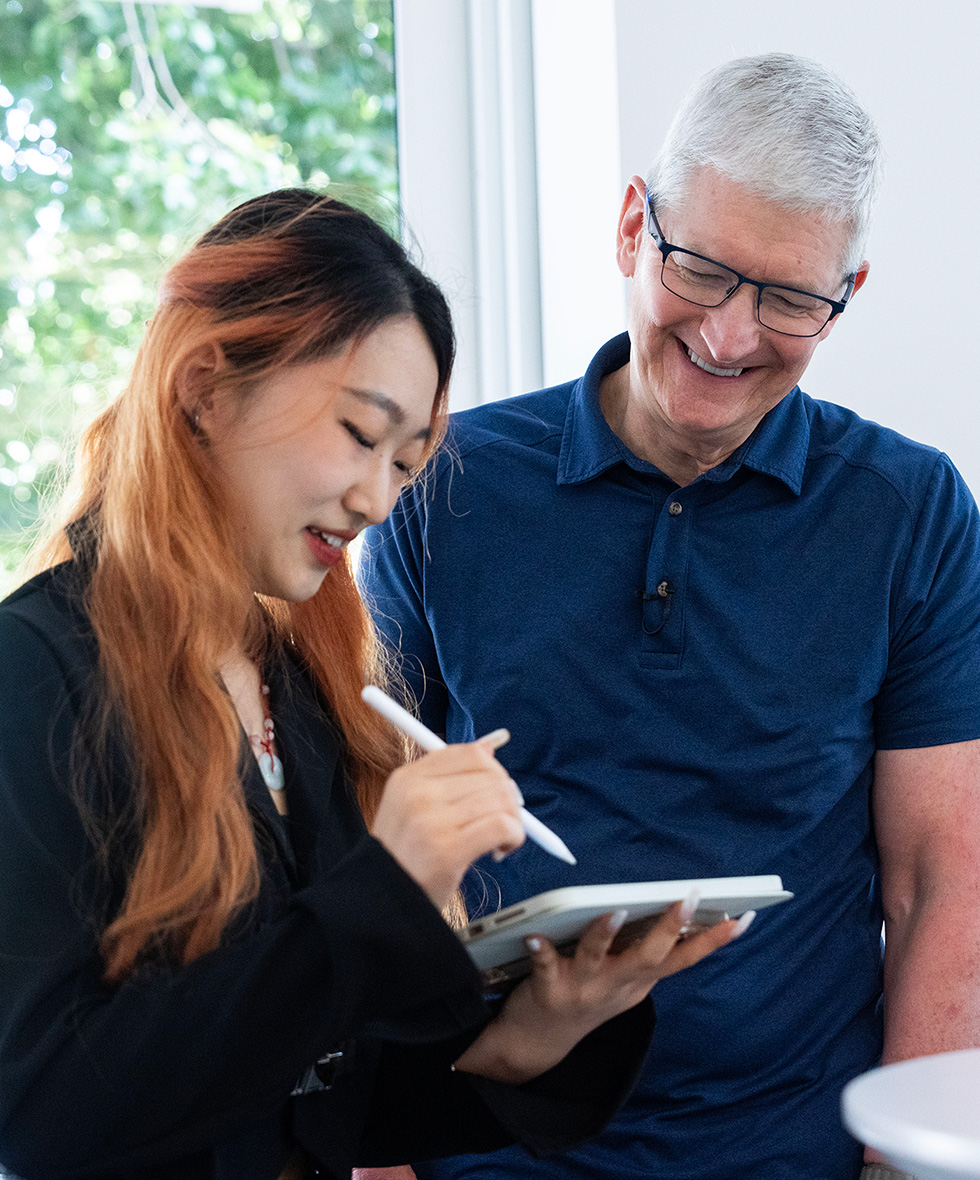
x: 493, y: 829
x: 689, y: 951
x: 660, y: 940
x: 494, y: 740
x: 545, y: 960
x: 459, y: 759
x: 597, y: 938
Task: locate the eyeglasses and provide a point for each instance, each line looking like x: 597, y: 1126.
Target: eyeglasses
x: 707, y: 283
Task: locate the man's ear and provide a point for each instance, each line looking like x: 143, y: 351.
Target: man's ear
x: 194, y: 383
x: 632, y: 225
x: 861, y: 275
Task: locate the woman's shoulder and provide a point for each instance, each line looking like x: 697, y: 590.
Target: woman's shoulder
x: 48, y: 611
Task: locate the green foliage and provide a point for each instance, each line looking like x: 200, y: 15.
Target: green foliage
x: 125, y: 130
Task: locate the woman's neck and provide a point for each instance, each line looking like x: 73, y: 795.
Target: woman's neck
x: 243, y: 682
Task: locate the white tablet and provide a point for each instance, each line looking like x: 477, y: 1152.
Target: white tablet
x: 496, y: 942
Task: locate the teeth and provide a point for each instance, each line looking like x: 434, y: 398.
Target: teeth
x: 336, y: 542
x: 711, y: 368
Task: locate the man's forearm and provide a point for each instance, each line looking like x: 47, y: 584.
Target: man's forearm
x: 932, y: 978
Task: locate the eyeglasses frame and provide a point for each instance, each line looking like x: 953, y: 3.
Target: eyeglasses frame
x: 667, y: 248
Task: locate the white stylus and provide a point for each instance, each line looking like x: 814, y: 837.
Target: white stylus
x: 540, y: 833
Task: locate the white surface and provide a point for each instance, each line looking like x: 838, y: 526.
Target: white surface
x: 508, y: 149
x: 562, y: 914
x: 467, y: 177
x: 922, y: 1115
x: 435, y: 173
x: 576, y: 111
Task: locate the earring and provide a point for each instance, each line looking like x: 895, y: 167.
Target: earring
x: 193, y: 421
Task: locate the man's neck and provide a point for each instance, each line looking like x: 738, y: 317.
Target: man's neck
x: 653, y: 440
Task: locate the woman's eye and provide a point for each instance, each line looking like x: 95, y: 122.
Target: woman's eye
x: 358, y: 437
x: 405, y: 468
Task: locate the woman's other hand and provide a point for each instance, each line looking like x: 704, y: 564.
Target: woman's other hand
x: 566, y: 997
x: 439, y: 814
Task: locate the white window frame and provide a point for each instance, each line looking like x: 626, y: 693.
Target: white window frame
x: 508, y: 140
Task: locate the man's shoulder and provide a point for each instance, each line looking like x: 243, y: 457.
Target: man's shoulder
x: 528, y: 420
x: 861, y: 443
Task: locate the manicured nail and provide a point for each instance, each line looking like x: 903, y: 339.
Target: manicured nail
x: 615, y: 921
x: 495, y: 739
x: 743, y: 923
x: 533, y: 944
x: 498, y: 855
x: 689, y: 906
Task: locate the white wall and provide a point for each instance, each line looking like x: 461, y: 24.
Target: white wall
x: 608, y: 75
x: 907, y: 351
x: 467, y: 173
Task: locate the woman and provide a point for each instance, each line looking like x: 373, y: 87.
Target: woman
x: 221, y: 946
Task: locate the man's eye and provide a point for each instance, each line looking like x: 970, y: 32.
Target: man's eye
x: 358, y: 437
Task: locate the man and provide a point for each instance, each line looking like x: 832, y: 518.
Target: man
x: 732, y: 630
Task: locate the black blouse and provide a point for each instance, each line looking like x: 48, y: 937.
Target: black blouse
x: 209, y: 1071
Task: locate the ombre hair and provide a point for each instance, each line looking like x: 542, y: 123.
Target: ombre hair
x: 284, y: 279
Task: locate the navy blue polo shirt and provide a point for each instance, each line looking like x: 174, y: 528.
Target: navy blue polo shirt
x: 696, y: 680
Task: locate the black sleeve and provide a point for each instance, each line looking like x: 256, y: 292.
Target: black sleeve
x: 178, y: 1059
x: 421, y: 1109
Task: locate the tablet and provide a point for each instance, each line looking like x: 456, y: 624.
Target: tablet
x: 496, y: 942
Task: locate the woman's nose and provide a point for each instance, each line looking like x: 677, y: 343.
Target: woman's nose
x: 373, y: 495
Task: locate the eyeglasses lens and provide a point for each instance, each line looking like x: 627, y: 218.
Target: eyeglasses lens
x: 708, y: 284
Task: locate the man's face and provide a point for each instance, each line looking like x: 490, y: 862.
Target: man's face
x: 750, y: 368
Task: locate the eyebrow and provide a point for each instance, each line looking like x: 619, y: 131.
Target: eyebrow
x: 387, y: 405
x: 765, y: 282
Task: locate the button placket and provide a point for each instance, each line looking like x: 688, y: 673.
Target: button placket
x: 662, y: 595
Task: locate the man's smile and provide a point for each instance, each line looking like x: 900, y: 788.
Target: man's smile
x: 703, y: 364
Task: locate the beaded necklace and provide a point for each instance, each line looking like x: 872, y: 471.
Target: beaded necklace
x: 268, y: 759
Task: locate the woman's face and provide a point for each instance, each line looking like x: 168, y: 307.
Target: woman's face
x: 318, y: 451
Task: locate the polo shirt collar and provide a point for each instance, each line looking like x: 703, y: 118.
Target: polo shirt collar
x: 777, y: 447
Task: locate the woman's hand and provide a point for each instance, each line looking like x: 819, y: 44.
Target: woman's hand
x: 565, y: 998
x: 441, y: 813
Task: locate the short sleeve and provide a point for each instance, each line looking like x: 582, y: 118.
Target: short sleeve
x: 931, y: 692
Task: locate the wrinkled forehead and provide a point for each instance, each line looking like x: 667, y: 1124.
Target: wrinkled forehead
x: 754, y: 234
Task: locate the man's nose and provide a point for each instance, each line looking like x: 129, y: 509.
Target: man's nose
x: 732, y: 330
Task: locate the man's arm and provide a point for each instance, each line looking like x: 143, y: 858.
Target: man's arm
x: 927, y: 821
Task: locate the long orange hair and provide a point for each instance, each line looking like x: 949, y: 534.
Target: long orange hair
x: 283, y: 279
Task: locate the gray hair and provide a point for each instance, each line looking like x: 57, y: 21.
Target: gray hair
x: 783, y: 127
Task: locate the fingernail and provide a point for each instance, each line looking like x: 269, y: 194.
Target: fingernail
x: 615, y: 921
x: 533, y: 944
x: 520, y: 797
x: 743, y: 923
x: 495, y: 739
x: 498, y: 855
x: 690, y: 905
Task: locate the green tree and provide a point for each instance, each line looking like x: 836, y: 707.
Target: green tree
x: 125, y: 129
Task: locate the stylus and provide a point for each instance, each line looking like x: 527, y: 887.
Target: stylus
x: 540, y: 833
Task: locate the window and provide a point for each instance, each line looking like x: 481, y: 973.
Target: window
x: 126, y: 129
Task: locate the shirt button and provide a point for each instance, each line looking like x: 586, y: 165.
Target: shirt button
x: 676, y: 508
x: 665, y: 588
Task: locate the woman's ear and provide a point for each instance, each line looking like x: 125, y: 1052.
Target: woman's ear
x: 194, y: 384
